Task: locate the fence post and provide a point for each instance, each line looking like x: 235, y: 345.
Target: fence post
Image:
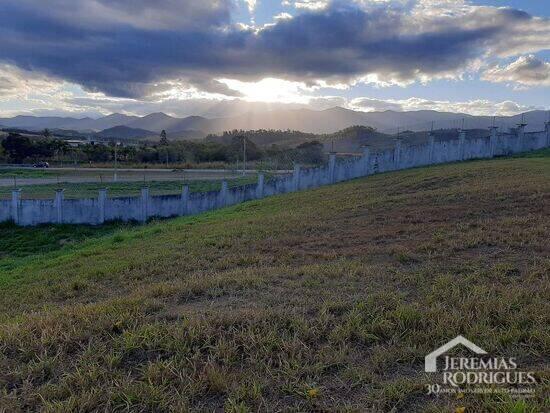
x: 493, y: 141
x: 144, y: 204
x: 547, y: 129
x: 296, y: 177
x: 520, y: 134
x: 184, y: 200
x: 366, y: 160
x: 59, y: 197
x: 15, y: 205
x: 260, y: 187
x: 431, y: 147
x: 397, y: 153
x: 332, y: 167
x: 223, y: 195
x: 101, y: 202
x: 462, y: 144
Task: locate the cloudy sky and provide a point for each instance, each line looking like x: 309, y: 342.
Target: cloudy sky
x: 183, y: 57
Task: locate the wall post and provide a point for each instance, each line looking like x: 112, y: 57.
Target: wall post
x: 144, y: 204
x: 397, y: 153
x: 296, y: 177
x: 59, y: 197
x: 493, y: 140
x: 260, y: 187
x: 223, y: 195
x: 101, y: 203
x: 16, y: 205
x: 184, y: 204
x: 366, y: 160
x: 431, y: 147
x: 520, y: 134
x: 332, y: 167
x: 462, y: 145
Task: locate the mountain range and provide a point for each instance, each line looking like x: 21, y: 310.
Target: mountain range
x: 305, y: 120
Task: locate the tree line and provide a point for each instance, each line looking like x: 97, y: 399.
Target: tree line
x: 17, y: 148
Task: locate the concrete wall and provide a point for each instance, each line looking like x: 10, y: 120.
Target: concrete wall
x: 101, y: 209
x: 5, y: 210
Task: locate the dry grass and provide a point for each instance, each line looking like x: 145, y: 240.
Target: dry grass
x: 319, y: 301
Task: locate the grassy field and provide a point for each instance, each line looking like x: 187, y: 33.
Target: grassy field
x: 26, y: 173
x: 317, y: 301
x: 90, y: 189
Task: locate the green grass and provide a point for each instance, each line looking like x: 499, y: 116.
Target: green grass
x: 90, y: 190
x: 18, y: 244
x: 543, y: 153
x: 26, y: 173
x: 324, y: 300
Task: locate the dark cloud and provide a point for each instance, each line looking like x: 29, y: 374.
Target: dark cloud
x: 133, y: 47
x: 143, y: 14
x: 213, y: 86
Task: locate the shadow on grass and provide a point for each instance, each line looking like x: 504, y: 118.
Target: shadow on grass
x: 20, y: 242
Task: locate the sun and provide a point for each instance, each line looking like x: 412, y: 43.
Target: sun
x: 270, y: 90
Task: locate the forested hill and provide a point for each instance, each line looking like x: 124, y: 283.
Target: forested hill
x: 291, y: 138
x: 351, y: 139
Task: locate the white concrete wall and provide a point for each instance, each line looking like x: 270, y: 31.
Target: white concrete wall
x: 123, y: 209
x: 5, y: 210
x: 97, y: 210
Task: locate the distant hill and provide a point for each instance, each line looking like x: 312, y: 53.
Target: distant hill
x: 335, y: 119
x: 155, y: 122
x: 124, y: 132
x: 350, y: 140
x: 265, y: 138
x: 37, y: 123
x: 354, y: 138
x: 305, y: 120
x: 107, y: 122
x: 61, y: 123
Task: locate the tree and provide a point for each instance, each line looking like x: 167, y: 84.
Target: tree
x: 43, y: 148
x: 18, y: 147
x: 235, y: 149
x: 59, y: 146
x: 97, y: 152
x: 163, y: 138
x: 46, y: 133
x: 310, y: 152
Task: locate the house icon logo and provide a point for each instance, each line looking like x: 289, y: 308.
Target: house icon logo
x: 430, y: 361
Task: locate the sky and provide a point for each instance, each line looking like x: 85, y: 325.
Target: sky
x: 188, y: 57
